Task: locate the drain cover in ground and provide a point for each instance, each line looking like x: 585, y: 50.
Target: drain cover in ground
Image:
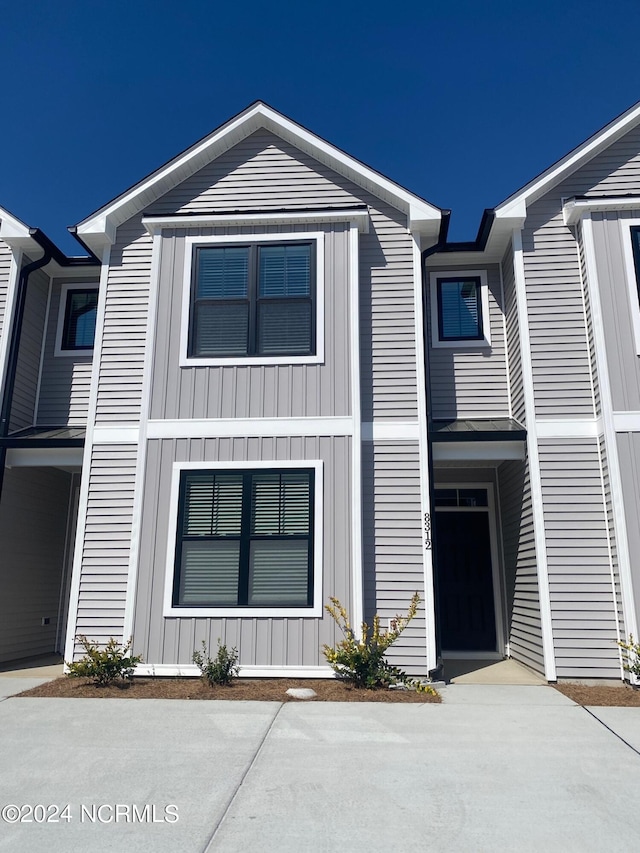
x: 301, y: 692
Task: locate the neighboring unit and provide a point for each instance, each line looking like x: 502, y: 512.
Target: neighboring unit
x: 275, y: 381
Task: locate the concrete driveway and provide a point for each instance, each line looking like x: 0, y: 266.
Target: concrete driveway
x: 494, y: 768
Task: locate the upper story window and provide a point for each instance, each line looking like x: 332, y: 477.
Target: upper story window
x: 255, y: 301
x: 459, y: 309
x: 77, y: 319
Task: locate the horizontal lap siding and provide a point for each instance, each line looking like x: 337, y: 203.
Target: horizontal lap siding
x: 125, y: 326
x: 580, y: 585
x: 64, y: 390
x: 629, y: 456
x: 514, y: 356
x: 5, y: 273
x: 107, y: 541
x: 33, y: 499
x: 393, y: 549
x: 468, y: 383
x: 615, y: 567
x: 524, y: 627
x: 239, y: 391
x: 260, y: 641
x: 28, y: 368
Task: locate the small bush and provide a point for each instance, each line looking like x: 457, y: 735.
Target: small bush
x: 104, y: 666
x: 631, y: 656
x: 362, y: 662
x: 222, y: 669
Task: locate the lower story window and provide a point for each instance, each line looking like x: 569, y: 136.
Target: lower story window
x: 245, y: 538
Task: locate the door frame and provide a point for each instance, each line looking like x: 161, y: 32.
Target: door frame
x: 496, y: 566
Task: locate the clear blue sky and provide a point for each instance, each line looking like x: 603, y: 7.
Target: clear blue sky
x: 461, y: 101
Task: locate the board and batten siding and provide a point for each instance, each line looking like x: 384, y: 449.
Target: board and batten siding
x: 265, y: 391
x: 524, y: 627
x: 33, y: 500
x: 65, y: 383
x: 582, y: 597
x: 470, y: 382
x: 23, y: 406
x: 393, y: 545
x: 107, y: 542
x: 261, y: 641
x: 263, y: 172
x: 5, y: 273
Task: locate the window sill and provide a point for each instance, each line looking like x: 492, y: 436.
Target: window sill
x: 251, y: 361
x: 463, y: 344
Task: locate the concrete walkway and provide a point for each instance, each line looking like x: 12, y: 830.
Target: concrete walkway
x: 494, y: 768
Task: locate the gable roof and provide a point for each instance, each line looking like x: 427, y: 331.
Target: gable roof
x: 99, y: 228
x: 516, y: 204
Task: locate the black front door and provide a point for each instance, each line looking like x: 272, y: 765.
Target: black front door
x: 465, y: 581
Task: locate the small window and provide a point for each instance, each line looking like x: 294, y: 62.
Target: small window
x: 459, y: 306
x: 77, y: 319
x: 253, y: 300
x: 245, y: 539
x: 635, y: 243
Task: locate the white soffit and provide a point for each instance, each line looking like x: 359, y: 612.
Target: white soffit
x: 100, y: 226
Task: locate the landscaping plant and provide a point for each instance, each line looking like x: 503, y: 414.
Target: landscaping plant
x: 362, y: 662
x: 631, y: 656
x: 104, y: 666
x: 222, y: 669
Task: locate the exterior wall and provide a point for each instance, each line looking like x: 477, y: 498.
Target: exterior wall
x: 31, y: 569
x: 514, y: 357
x: 5, y: 272
x: 629, y: 457
x: 65, y: 380
x: 28, y: 368
x: 393, y: 567
x: 237, y: 390
x: 471, y: 382
x: 268, y: 641
x: 524, y: 627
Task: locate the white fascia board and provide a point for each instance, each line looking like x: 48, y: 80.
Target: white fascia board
x: 425, y: 215
x: 190, y: 670
x: 360, y: 218
x: 574, y: 208
x: 248, y: 427
x: 572, y: 161
x: 11, y: 228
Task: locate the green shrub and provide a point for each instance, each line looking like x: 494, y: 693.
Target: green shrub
x: 631, y: 656
x: 362, y: 662
x: 104, y: 666
x: 222, y: 669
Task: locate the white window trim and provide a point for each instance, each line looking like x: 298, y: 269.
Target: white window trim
x: 633, y: 287
x: 485, y: 341
x: 62, y: 308
x: 247, y: 612
x: 189, y: 252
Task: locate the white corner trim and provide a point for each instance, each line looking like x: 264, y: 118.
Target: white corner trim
x: 436, y: 342
x: 626, y: 421
x: 474, y: 451
x: 631, y: 276
x: 116, y: 435
x: 393, y: 430
x: 569, y: 428
x: 250, y: 427
x: 359, y: 218
x: 62, y: 309
x: 575, y: 208
x: 357, y: 607
x: 190, y: 670
x: 611, y: 446
x: 534, y: 461
x: 76, y: 573
x: 421, y: 433
x: 192, y: 242
x: 314, y: 612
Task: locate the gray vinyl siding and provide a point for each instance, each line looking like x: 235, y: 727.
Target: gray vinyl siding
x: 611, y: 531
x: 597, y: 400
x: 5, y: 273
x: 524, y: 627
x: 237, y: 391
x: 28, y: 367
x: 277, y: 641
x: 121, y: 365
x: 629, y: 457
x: 34, y: 500
x: 470, y: 382
x: 580, y: 584
x: 617, y: 310
x: 514, y: 354
x: 106, y: 542
x: 393, y: 548
x: 66, y: 380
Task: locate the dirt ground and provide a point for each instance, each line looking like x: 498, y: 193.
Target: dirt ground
x: 596, y: 695
x: 267, y: 689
